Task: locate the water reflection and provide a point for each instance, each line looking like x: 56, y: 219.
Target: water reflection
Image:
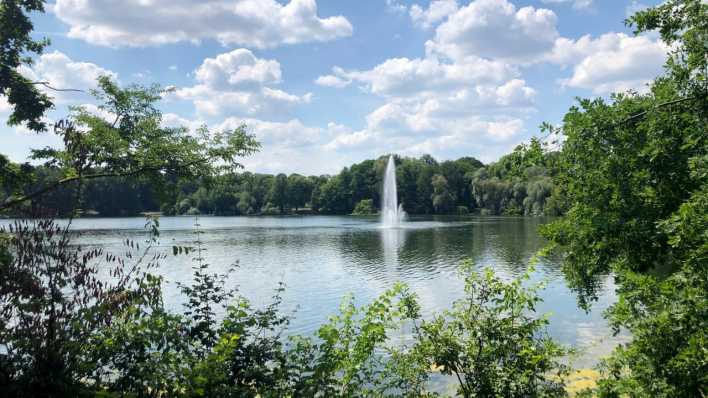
x: 323, y: 258
x: 392, y: 241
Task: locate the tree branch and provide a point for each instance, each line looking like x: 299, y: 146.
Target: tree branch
x: 47, y: 85
x: 669, y: 103
x: 63, y: 181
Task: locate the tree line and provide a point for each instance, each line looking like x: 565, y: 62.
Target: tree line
x: 520, y: 183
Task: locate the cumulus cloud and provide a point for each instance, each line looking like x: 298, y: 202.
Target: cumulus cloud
x: 443, y: 104
x: 332, y: 81
x: 495, y: 29
x: 292, y: 146
x: 423, y: 94
x: 253, y: 23
x: 404, y: 76
x: 611, y: 62
x: 486, y: 139
x: 288, y: 146
x: 451, y: 122
x: 437, y: 11
x: 292, y: 133
x: 240, y: 84
x: 238, y: 69
x: 60, y: 71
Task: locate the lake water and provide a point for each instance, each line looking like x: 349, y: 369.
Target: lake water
x: 322, y: 258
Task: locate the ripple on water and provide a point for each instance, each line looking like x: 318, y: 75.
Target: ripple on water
x: 322, y: 259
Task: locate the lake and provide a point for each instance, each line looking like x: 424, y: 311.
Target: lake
x: 323, y: 258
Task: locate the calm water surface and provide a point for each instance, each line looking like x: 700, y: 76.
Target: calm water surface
x: 323, y: 258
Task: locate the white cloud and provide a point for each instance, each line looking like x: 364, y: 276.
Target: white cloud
x: 238, y: 69
x: 292, y: 146
x: 289, y: 146
x: 504, y: 130
x: 253, y: 23
x: 292, y: 133
x: 172, y: 67
x: 403, y: 76
x: 577, y: 4
x: 61, y: 72
x: 437, y: 11
x: 512, y: 93
x: 446, y: 123
x: 612, y: 62
x: 443, y: 105
x: 238, y: 83
x: 432, y: 113
x: 495, y: 29
x: 332, y: 81
x: 350, y: 140
x: 173, y: 120
x: 449, y: 138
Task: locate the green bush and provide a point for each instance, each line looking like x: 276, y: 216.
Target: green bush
x: 364, y: 207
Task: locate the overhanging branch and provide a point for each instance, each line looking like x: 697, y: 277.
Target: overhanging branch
x: 68, y: 180
x: 47, y: 85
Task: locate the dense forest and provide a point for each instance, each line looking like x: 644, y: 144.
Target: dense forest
x: 519, y: 183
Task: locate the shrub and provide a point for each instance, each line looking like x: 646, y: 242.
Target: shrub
x: 493, y: 342
x: 364, y: 207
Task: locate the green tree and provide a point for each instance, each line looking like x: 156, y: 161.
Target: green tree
x: 133, y: 143
x: 299, y: 190
x: 278, y: 195
x: 334, y: 197
x: 443, y: 199
x: 16, y: 46
x: 634, y: 174
x: 364, y: 207
x: 53, y: 301
x: 493, y: 342
x: 424, y: 188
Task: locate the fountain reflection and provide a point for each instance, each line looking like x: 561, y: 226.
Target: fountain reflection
x: 392, y: 241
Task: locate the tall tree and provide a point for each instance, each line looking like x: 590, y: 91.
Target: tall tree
x: 634, y: 172
x: 299, y: 190
x: 278, y: 195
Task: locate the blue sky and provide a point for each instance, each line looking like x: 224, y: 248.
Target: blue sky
x: 324, y: 83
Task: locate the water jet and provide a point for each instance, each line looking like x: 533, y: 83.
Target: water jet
x: 392, y: 213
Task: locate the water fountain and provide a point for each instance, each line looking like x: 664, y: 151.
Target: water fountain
x: 392, y: 213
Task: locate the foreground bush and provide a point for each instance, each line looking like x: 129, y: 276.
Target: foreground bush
x: 65, y: 333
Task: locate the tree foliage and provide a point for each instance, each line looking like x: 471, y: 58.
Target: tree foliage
x: 634, y: 175
x: 126, y: 138
x: 493, y: 341
x: 53, y: 299
x: 525, y: 190
x: 28, y: 103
